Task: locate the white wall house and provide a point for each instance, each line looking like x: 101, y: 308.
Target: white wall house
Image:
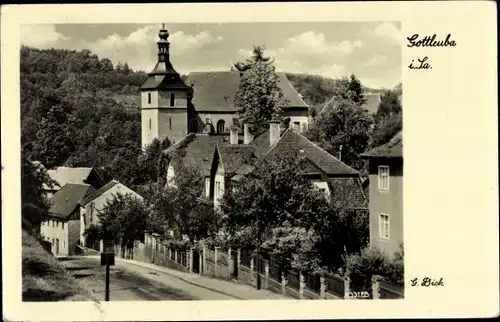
x: 94, y: 203
x: 62, y: 227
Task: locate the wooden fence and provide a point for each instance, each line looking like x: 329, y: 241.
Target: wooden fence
x: 242, y: 267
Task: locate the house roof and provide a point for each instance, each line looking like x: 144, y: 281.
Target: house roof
x: 391, y: 149
x: 68, y: 198
x: 215, y: 91
x: 291, y: 142
x: 347, y: 192
x: 234, y: 157
x: 198, y: 150
x: 98, y: 192
x: 64, y: 175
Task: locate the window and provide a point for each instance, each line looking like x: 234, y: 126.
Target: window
x: 150, y: 124
x: 296, y: 125
x: 62, y: 225
x: 217, y: 188
x: 207, y: 186
x: 384, y: 226
x: 193, y: 126
x: 149, y: 98
x: 170, y: 122
x: 383, y: 177
x: 220, y: 126
x: 172, y: 99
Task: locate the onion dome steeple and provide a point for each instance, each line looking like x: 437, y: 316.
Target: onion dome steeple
x: 163, y: 74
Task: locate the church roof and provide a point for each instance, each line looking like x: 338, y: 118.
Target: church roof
x: 215, y: 91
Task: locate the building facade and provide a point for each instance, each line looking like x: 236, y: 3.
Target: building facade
x: 386, y: 195
x: 94, y: 203
x: 62, y: 227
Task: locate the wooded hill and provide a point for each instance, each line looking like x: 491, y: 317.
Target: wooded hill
x: 82, y: 110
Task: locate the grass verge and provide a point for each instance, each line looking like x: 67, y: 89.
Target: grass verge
x: 44, y: 278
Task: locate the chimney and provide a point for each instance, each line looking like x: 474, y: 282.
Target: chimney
x: 274, y: 131
x: 248, y: 136
x: 233, y: 135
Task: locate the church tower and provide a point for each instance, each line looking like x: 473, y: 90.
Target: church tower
x: 164, y: 99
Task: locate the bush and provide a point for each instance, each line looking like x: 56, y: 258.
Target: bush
x: 371, y: 261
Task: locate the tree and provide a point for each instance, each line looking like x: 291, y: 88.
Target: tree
x: 179, y: 207
x: 148, y: 162
x: 388, y: 119
x: 295, y: 221
x: 259, y: 97
x: 54, y: 137
x: 355, y: 90
x: 34, y: 202
x: 347, y: 125
x: 124, y: 219
x: 257, y: 56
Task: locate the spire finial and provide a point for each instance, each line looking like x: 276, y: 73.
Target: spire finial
x: 163, y: 34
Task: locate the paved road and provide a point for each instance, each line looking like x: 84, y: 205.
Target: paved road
x: 125, y: 284
x: 137, y: 281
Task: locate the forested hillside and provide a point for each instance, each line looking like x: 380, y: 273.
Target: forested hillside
x: 79, y: 109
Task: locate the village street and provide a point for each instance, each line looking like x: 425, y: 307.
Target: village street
x: 136, y: 281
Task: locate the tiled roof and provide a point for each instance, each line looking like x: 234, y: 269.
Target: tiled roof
x: 198, y: 150
x: 68, y: 198
x: 98, y: 192
x: 64, y: 175
x: 347, y: 192
x: 392, y: 149
x: 291, y: 142
x: 233, y: 157
x: 215, y: 91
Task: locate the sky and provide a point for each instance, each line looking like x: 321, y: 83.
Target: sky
x: 370, y: 50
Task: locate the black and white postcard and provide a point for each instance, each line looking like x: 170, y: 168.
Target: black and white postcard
x: 167, y: 161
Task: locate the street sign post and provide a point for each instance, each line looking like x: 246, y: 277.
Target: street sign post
x: 107, y: 259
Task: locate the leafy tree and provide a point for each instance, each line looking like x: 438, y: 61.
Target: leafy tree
x: 259, y: 97
x: 347, y: 126
x: 124, y: 219
x: 34, y: 202
x: 148, y: 162
x: 388, y: 119
x: 257, y: 56
x: 178, y: 206
x: 296, y: 222
x: 55, y: 140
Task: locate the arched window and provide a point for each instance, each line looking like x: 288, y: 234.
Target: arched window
x: 220, y: 126
x: 149, y: 98
x: 172, y: 99
x: 193, y: 126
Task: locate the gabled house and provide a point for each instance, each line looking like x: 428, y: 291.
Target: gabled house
x: 340, y: 183
x: 64, y: 175
x: 386, y: 195
x: 94, y: 202
x: 62, y: 227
